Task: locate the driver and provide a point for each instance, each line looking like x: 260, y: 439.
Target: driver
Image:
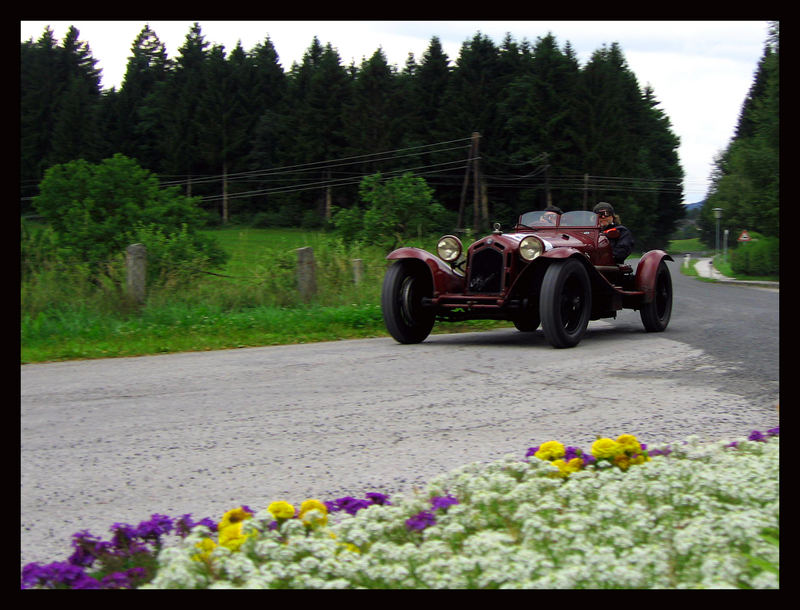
x: 551, y: 214
x: 620, y: 237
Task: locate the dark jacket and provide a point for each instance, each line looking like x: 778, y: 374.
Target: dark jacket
x: 622, y: 244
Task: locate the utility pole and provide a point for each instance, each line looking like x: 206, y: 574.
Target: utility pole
x: 549, y: 197
x: 475, y: 184
x: 585, y: 191
x: 460, y: 224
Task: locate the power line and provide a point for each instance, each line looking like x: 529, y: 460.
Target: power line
x: 330, y: 163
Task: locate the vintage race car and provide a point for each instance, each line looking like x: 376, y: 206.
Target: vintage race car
x: 558, y: 272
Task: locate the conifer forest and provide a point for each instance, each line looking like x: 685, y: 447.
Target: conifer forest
x: 499, y: 130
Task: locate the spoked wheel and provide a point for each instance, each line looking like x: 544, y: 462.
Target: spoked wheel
x: 656, y: 314
x: 404, y: 286
x: 565, y: 303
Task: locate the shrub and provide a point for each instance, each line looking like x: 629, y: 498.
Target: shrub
x: 96, y: 211
x: 758, y: 257
x: 398, y: 209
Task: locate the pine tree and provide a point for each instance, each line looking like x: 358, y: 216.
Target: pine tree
x: 320, y: 91
x: 746, y: 178
x: 539, y: 119
x: 137, y: 123
x: 372, y: 114
x: 177, y: 102
x: 39, y: 90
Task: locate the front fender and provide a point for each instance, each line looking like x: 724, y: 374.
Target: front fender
x: 646, y: 272
x: 444, y: 278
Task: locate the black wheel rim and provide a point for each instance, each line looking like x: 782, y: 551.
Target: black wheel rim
x: 410, y: 300
x: 572, y: 304
x: 662, y: 296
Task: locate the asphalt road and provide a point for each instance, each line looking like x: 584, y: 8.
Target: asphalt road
x: 117, y: 440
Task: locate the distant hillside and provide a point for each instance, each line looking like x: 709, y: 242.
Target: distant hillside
x: 690, y: 207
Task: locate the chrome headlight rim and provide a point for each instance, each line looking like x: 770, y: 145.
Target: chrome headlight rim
x: 449, y: 248
x: 531, y: 248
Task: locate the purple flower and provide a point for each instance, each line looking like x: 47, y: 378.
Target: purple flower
x: 87, y: 548
x: 755, y: 435
x: 773, y: 431
x: 532, y: 451
x: 57, y: 575
x: 572, y: 452
x: 122, y: 580
x: 352, y: 505
x: 153, y: 529
x: 438, y: 502
x: 420, y: 521
x: 185, y: 523
x: 378, y: 498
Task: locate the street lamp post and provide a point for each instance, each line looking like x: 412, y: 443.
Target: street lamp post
x: 717, y: 215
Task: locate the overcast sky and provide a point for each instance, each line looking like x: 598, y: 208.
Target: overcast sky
x: 700, y: 71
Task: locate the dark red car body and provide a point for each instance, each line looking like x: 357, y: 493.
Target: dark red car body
x: 572, y: 280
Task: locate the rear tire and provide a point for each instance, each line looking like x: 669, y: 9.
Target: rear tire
x: 565, y: 303
x: 656, y: 314
x: 404, y: 286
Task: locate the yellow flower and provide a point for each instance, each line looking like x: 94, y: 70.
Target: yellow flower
x: 622, y: 460
x: 640, y: 459
x: 236, y: 515
x: 629, y: 443
x: 206, y: 545
x: 281, y: 510
x: 231, y: 537
x: 551, y: 450
x: 562, y: 468
x: 606, y: 448
x: 311, y: 505
x: 567, y: 468
x: 575, y: 464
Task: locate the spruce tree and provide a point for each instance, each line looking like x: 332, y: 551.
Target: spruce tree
x: 177, y: 102
x: 137, y: 120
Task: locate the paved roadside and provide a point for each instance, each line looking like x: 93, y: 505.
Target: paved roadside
x: 705, y: 268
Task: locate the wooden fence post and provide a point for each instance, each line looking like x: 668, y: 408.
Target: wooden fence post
x: 136, y: 264
x: 306, y: 274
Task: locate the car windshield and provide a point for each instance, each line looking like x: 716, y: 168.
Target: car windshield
x: 546, y: 218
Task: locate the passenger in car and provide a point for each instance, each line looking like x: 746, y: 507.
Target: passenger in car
x: 620, y: 237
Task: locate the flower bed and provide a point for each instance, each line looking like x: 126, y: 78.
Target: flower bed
x: 619, y: 516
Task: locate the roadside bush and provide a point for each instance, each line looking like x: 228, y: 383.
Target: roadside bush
x: 96, y: 211
x: 397, y: 210
x: 37, y: 247
x: 759, y: 257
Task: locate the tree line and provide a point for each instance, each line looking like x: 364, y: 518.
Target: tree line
x: 287, y: 147
x: 746, y: 175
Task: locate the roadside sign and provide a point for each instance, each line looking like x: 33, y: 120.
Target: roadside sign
x: 745, y: 236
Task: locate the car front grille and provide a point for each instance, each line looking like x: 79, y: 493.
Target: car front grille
x: 486, y: 271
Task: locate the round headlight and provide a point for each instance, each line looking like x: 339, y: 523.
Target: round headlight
x: 530, y: 248
x: 449, y: 248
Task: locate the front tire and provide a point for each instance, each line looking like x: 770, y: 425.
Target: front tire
x: 404, y: 286
x: 565, y: 303
x: 656, y: 314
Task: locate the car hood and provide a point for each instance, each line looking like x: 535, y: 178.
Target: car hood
x: 552, y: 238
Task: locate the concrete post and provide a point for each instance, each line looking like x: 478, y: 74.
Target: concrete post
x: 358, y: 271
x: 136, y: 265
x: 306, y: 274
